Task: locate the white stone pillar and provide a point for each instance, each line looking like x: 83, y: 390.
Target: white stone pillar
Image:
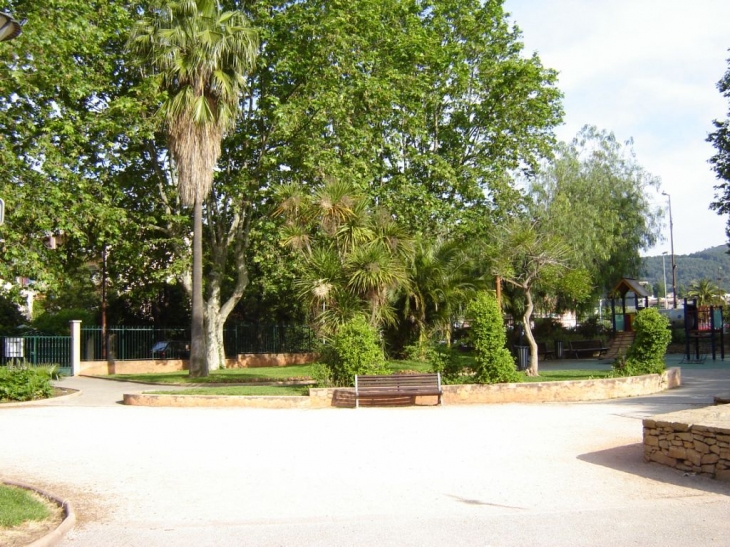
x: 75, y: 347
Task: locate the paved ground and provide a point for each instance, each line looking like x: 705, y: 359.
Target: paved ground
x: 500, y: 475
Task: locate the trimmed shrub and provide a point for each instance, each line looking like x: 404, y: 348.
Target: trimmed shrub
x: 494, y: 363
x: 21, y: 383
x: 355, y: 349
x: 646, y: 354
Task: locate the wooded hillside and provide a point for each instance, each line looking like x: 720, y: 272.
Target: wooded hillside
x: 712, y: 264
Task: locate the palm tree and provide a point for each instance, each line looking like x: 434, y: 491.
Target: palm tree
x: 200, y: 56
x: 442, y: 278
x: 706, y: 293
x: 354, y: 256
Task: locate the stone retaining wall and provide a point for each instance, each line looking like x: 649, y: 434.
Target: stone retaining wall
x: 696, y: 440
x: 525, y: 392
x: 539, y: 392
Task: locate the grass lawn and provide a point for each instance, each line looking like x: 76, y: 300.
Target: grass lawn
x: 562, y: 375
x: 18, y: 506
x: 252, y: 376
x: 227, y: 376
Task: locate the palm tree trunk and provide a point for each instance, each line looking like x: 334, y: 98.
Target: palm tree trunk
x: 198, y: 357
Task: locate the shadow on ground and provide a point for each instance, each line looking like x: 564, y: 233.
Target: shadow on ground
x: 630, y: 459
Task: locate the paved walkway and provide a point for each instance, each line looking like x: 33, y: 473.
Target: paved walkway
x: 499, y: 475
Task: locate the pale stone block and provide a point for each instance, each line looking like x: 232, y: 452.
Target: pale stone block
x: 701, y: 447
x: 651, y: 441
x: 677, y: 452
x: 659, y: 457
x: 685, y: 436
x: 710, y: 458
x: 694, y: 457
x: 709, y: 469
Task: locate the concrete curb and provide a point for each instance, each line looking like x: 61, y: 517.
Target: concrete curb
x: 53, y: 538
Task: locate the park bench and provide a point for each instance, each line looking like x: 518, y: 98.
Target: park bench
x: 397, y: 385
x: 591, y: 347
x: 543, y: 352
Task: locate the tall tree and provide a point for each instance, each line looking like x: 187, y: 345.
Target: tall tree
x: 530, y: 254
x: 720, y: 139
x: 200, y: 55
x: 61, y: 139
x: 597, y: 196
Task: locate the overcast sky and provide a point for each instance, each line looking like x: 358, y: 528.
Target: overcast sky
x: 647, y: 70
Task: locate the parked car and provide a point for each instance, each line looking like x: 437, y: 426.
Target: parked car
x: 171, y: 349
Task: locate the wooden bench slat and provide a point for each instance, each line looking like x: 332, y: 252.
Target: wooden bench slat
x: 380, y: 386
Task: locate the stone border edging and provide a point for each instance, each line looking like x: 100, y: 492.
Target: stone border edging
x: 537, y: 392
x: 69, y: 521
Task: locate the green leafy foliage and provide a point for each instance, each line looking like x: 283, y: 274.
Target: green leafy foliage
x: 23, y: 383
x: 596, y: 196
x: 720, y: 139
x: 354, y: 349
x: 59, y: 323
x: 646, y: 354
x: 493, y: 362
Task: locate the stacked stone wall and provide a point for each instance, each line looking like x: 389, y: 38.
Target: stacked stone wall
x: 696, y: 440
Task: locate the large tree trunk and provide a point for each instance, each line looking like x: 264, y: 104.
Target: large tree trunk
x: 224, y: 238
x: 526, y: 320
x: 198, y: 357
x: 214, y: 322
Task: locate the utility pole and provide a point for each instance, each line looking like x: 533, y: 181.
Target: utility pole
x: 671, y: 244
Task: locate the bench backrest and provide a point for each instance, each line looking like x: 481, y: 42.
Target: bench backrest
x: 586, y: 344
x: 398, y: 381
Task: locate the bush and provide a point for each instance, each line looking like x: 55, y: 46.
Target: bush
x: 646, y: 354
x: 22, y: 383
x: 494, y: 363
x: 355, y: 349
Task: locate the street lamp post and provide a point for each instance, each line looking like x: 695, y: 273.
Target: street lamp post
x: 664, y: 270
x: 671, y: 244
x: 9, y: 27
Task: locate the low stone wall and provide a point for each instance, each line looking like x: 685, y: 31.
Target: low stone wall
x: 253, y: 360
x: 250, y: 401
x: 247, y: 360
x: 540, y: 392
x: 527, y: 392
x: 695, y: 440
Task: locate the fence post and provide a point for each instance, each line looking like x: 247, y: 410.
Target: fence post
x: 75, y: 347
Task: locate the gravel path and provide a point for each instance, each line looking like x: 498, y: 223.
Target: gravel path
x: 498, y: 475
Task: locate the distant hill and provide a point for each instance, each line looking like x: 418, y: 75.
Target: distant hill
x: 712, y: 264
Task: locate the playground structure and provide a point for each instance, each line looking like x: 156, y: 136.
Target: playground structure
x: 703, y: 323
x: 633, y: 297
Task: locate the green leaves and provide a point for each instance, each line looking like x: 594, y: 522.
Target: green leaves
x: 494, y: 364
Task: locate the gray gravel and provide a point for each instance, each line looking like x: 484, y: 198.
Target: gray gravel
x: 498, y: 475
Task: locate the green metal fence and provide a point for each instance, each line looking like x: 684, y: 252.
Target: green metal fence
x: 128, y: 343
x: 37, y: 350
x: 268, y: 339
x: 139, y: 343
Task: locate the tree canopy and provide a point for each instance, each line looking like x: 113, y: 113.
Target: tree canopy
x: 720, y: 139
